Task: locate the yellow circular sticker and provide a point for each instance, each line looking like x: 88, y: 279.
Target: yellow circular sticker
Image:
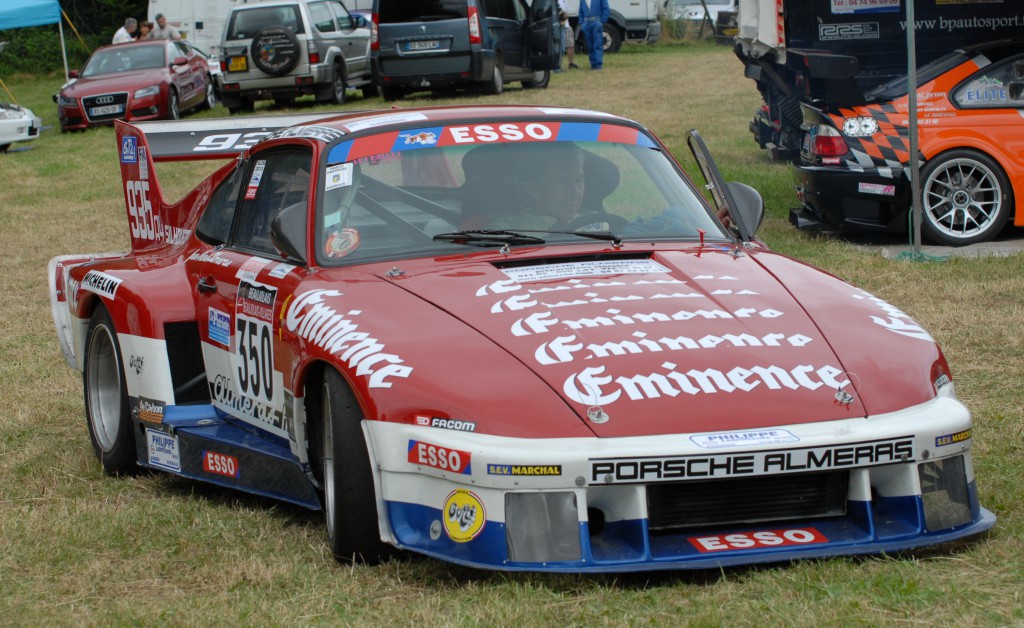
x: 464, y: 515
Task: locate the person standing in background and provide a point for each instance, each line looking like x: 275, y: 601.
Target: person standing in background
x: 164, y: 31
x: 144, y: 28
x: 124, y: 34
x: 568, y: 39
x: 592, y: 16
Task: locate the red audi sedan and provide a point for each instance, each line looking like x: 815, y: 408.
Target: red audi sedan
x: 146, y: 80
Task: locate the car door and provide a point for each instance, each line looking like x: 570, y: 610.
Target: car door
x: 505, y: 21
x: 543, y: 36
x: 356, y: 37
x: 241, y: 284
x: 183, y: 75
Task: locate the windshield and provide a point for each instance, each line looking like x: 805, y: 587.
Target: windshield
x: 422, y: 199
x: 123, y: 58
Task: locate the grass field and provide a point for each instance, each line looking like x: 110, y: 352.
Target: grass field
x: 77, y: 547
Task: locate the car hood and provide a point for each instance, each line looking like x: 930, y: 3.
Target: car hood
x: 124, y: 81
x: 699, y: 341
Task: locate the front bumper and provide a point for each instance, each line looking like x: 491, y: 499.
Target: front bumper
x: 416, y: 73
x: 74, y: 118
x: 18, y: 124
x: 580, y: 505
x: 840, y: 197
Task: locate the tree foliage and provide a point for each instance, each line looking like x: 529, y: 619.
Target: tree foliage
x: 92, y: 24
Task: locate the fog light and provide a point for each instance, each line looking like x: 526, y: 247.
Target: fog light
x: 542, y: 527
x: 947, y: 503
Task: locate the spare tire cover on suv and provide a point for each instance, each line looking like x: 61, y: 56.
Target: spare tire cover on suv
x: 275, y: 50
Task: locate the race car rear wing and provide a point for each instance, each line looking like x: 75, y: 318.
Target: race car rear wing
x: 153, y: 223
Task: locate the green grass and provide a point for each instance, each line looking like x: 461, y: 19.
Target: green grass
x: 77, y: 547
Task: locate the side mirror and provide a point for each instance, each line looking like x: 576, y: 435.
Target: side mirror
x: 179, y: 61
x: 288, y: 232
x: 749, y: 206
x: 359, y: 21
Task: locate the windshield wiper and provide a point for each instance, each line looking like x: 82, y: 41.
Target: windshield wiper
x: 483, y: 237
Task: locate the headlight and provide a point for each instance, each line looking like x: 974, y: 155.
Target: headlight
x: 152, y: 90
x: 861, y: 126
x: 64, y: 101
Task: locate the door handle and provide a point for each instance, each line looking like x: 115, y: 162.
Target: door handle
x: 207, y: 284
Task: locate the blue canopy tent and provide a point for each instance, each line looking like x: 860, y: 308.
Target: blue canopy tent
x: 23, y: 13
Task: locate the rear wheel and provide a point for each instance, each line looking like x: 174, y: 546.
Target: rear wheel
x: 966, y: 198
x: 337, y: 87
x: 612, y: 38
x: 350, y: 501
x: 497, y: 82
x: 106, y: 397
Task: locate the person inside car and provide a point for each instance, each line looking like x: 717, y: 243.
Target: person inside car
x: 552, y: 186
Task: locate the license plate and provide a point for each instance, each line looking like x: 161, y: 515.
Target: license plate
x: 105, y: 111
x: 431, y: 44
x: 238, y: 64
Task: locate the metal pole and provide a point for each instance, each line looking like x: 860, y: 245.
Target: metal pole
x: 915, y: 162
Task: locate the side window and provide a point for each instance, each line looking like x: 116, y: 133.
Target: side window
x: 500, y: 9
x: 340, y: 12
x: 172, y: 52
x: 322, y: 18
x: 182, y: 49
x: 519, y: 9
x: 998, y: 86
x: 275, y: 181
x: 215, y: 224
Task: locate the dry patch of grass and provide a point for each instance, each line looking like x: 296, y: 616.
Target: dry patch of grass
x: 80, y: 548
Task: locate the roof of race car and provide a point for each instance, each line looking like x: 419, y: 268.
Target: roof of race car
x: 219, y: 138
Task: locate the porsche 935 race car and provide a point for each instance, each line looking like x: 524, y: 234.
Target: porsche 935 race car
x: 853, y: 170
x: 509, y: 337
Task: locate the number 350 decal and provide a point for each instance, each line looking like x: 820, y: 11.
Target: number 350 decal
x: 254, y: 342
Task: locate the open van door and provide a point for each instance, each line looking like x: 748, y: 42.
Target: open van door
x: 544, y: 36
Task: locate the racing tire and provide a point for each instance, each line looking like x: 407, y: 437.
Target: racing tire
x: 612, y: 38
x: 173, y: 105
x: 275, y: 50
x: 966, y: 198
x: 210, y: 97
x: 496, y: 85
x: 541, y: 79
x: 106, y: 398
x: 350, y: 500
x: 390, y: 93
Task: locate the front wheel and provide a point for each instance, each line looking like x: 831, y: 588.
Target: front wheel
x: 210, y: 97
x: 173, y: 106
x: 350, y: 501
x: 106, y: 397
x: 540, y: 80
x: 966, y: 198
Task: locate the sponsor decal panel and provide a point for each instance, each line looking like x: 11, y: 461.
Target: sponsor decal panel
x: 953, y: 439
x: 895, y: 320
x: 742, y: 439
x: 136, y: 364
x: 220, y: 464
x: 772, y: 462
x: 437, y: 457
x: 524, y: 469
x: 254, y: 345
x: 220, y: 327
x: 129, y: 150
x: 311, y: 316
x: 464, y: 516
x: 763, y: 539
x: 100, y: 283
x: 149, y: 410
x: 876, y: 188
x: 446, y: 424
x: 163, y: 450
x: 584, y: 269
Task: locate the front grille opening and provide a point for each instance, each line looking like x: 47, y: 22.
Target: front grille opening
x: 185, y: 355
x: 684, y: 505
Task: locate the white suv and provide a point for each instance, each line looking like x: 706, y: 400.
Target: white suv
x: 282, y: 49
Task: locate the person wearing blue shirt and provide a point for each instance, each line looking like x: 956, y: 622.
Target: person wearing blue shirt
x: 592, y: 16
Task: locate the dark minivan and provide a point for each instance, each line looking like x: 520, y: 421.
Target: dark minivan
x: 428, y: 44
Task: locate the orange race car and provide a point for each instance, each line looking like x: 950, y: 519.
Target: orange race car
x: 854, y: 166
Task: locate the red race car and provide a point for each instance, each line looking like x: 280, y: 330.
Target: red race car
x: 145, y: 80
x: 510, y: 337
